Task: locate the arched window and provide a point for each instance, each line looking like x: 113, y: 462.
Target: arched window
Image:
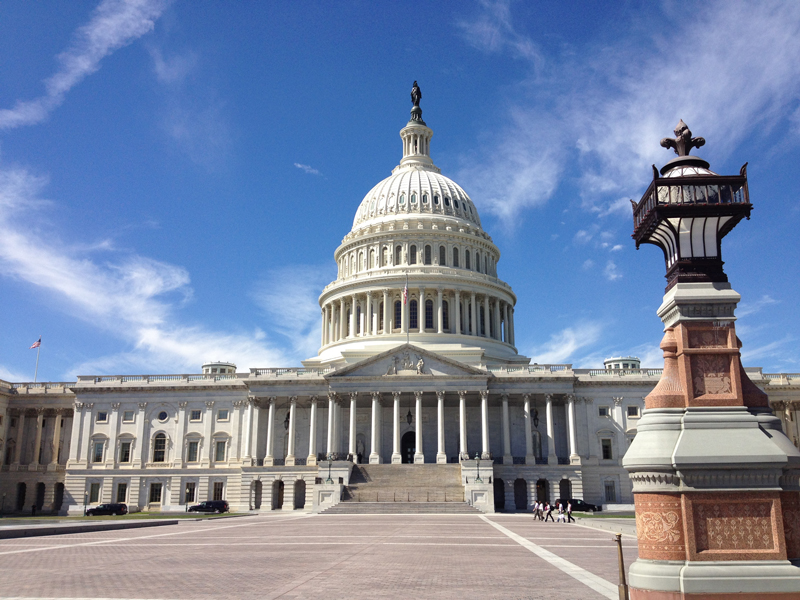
x: 482, y: 322
x: 413, y: 198
x: 466, y: 260
x: 372, y: 259
x: 446, y: 201
x: 398, y: 314
x: 445, y: 315
x: 478, y: 262
x: 385, y: 256
x: 428, y: 258
x: 429, y: 314
x: 358, y: 319
x: 455, y: 257
x: 398, y: 255
x: 412, y: 255
x: 442, y: 256
x: 159, y: 447
x: 380, y: 317
x: 361, y: 266
x: 436, y: 199
x: 413, y: 315
x: 469, y: 318
x: 402, y: 199
x: 424, y: 198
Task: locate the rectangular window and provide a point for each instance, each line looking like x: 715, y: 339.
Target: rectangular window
x: 611, y: 491
x: 102, y: 416
x: 606, y: 449
x: 222, y: 415
x: 127, y: 416
x: 429, y: 314
x: 219, y: 452
x: 125, y: 452
x: 94, y: 493
x: 97, y: 455
x: 191, y: 451
x: 195, y: 415
x: 398, y: 314
x: 603, y: 411
x: 155, y: 493
x: 633, y: 411
x: 189, y: 492
x: 122, y: 492
x: 413, y: 315
x: 218, y: 490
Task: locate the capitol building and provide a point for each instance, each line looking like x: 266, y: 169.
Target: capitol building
x: 417, y: 394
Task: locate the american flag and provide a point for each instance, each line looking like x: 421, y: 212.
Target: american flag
x: 36, y: 344
x: 405, y: 294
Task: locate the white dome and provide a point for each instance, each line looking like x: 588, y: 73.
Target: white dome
x: 415, y: 191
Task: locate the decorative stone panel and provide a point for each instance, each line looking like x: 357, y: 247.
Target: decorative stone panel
x: 659, y: 526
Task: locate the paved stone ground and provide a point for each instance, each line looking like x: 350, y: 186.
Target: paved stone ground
x: 336, y: 556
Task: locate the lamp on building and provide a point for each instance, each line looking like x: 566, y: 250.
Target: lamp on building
x: 535, y: 418
x: 286, y: 422
x: 478, y: 462
x: 330, y: 462
x: 409, y: 416
x: 85, y: 501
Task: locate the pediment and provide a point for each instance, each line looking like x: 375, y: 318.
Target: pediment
x: 407, y: 360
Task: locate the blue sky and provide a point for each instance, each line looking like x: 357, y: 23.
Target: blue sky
x: 174, y: 177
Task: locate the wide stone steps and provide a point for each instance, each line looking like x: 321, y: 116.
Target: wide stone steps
x: 408, y: 508
x: 429, y: 483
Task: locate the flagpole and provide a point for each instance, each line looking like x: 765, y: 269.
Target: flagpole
x: 38, y: 349
x: 408, y: 329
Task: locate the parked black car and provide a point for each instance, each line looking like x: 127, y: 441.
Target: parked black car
x: 108, y: 509
x: 579, y: 505
x: 211, y: 506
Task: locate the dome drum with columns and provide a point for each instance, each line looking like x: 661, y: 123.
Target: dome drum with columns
x: 417, y: 228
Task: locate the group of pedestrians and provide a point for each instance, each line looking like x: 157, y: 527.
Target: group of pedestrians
x: 542, y: 511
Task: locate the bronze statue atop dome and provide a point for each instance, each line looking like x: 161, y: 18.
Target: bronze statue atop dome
x: 416, y: 94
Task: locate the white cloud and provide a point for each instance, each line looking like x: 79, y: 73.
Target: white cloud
x: 748, y: 308
x: 172, y: 69
x: 134, y: 298
x: 616, y: 248
x: 307, y: 169
x: 776, y: 349
x: 114, y: 24
x: 562, y: 346
x: 616, y: 102
x: 611, y: 271
x: 588, y: 264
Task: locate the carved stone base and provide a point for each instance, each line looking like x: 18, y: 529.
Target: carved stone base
x: 419, y: 458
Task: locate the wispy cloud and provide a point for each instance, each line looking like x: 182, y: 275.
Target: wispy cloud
x: 134, y: 298
x: 114, y: 24
x: 563, y: 345
x: 748, y: 308
x: 611, y: 271
x: 307, y: 169
x: 615, y: 103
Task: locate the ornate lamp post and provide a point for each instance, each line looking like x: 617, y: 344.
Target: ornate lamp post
x: 85, y: 501
x: 715, y: 481
x: 478, y: 463
x: 330, y: 462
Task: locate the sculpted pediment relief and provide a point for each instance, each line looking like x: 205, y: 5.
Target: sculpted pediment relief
x: 407, y: 361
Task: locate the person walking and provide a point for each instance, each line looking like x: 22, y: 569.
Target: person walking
x: 539, y: 510
x: 569, y: 513
x: 535, y: 510
x: 549, y: 515
x: 560, y: 513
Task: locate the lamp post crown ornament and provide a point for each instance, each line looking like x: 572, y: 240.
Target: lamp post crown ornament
x: 683, y: 142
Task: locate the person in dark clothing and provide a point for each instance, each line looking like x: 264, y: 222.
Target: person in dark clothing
x: 569, y: 513
x: 549, y: 515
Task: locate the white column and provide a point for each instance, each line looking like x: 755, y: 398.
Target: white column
x: 37, y: 445
x: 421, y: 310
x: 75, y: 437
x: 312, y: 433
x: 178, y: 456
x: 374, y: 455
x: 573, y: 447
x: 324, y: 328
x: 351, y: 442
x: 511, y: 316
x: 462, y: 425
x: 497, y: 335
x: 387, y: 328
x: 485, y: 423
x: 342, y: 319
x: 441, y: 455
x: 56, y: 437
x: 507, y: 336
x: 396, y: 457
x: 530, y: 459
x: 248, y: 432
x: 20, y: 434
x: 487, y: 316
x: 141, y: 448
x: 440, y: 312
x: 353, y: 304
x: 368, y: 312
x: 419, y: 457
x: 292, y: 421
x: 473, y: 314
x: 552, y: 459
x: 331, y: 405
x: 337, y: 427
x: 269, y: 458
x: 458, y: 312
x: 507, y: 458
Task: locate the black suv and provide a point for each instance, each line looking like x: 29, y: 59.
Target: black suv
x: 108, y: 509
x: 211, y: 506
x: 579, y: 505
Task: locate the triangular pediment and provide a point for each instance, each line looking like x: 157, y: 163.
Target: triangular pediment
x: 407, y: 360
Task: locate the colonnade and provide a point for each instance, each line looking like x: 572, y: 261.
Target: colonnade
x: 373, y: 313
x: 335, y: 427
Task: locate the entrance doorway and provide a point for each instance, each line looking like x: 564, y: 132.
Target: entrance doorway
x: 59, y: 496
x: 257, y: 491
x: 542, y: 491
x: 39, y: 496
x: 520, y: 494
x: 277, y: 495
x: 408, y: 446
x: 499, y: 494
x: 299, y: 494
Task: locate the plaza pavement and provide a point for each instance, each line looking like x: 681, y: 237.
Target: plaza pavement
x: 288, y: 555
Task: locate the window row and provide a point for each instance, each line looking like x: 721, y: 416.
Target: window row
x: 195, y: 415
x: 427, y: 254
x: 430, y: 202
x: 158, y: 450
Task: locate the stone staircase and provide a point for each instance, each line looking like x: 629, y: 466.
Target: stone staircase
x: 414, y: 489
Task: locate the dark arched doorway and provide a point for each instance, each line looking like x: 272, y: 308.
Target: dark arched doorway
x: 58, y: 498
x: 299, y: 494
x: 257, y: 491
x: 408, y: 446
x: 565, y: 490
x: 499, y: 495
x: 21, y: 489
x: 277, y: 495
x: 39, y: 495
x: 520, y: 494
x: 542, y: 491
